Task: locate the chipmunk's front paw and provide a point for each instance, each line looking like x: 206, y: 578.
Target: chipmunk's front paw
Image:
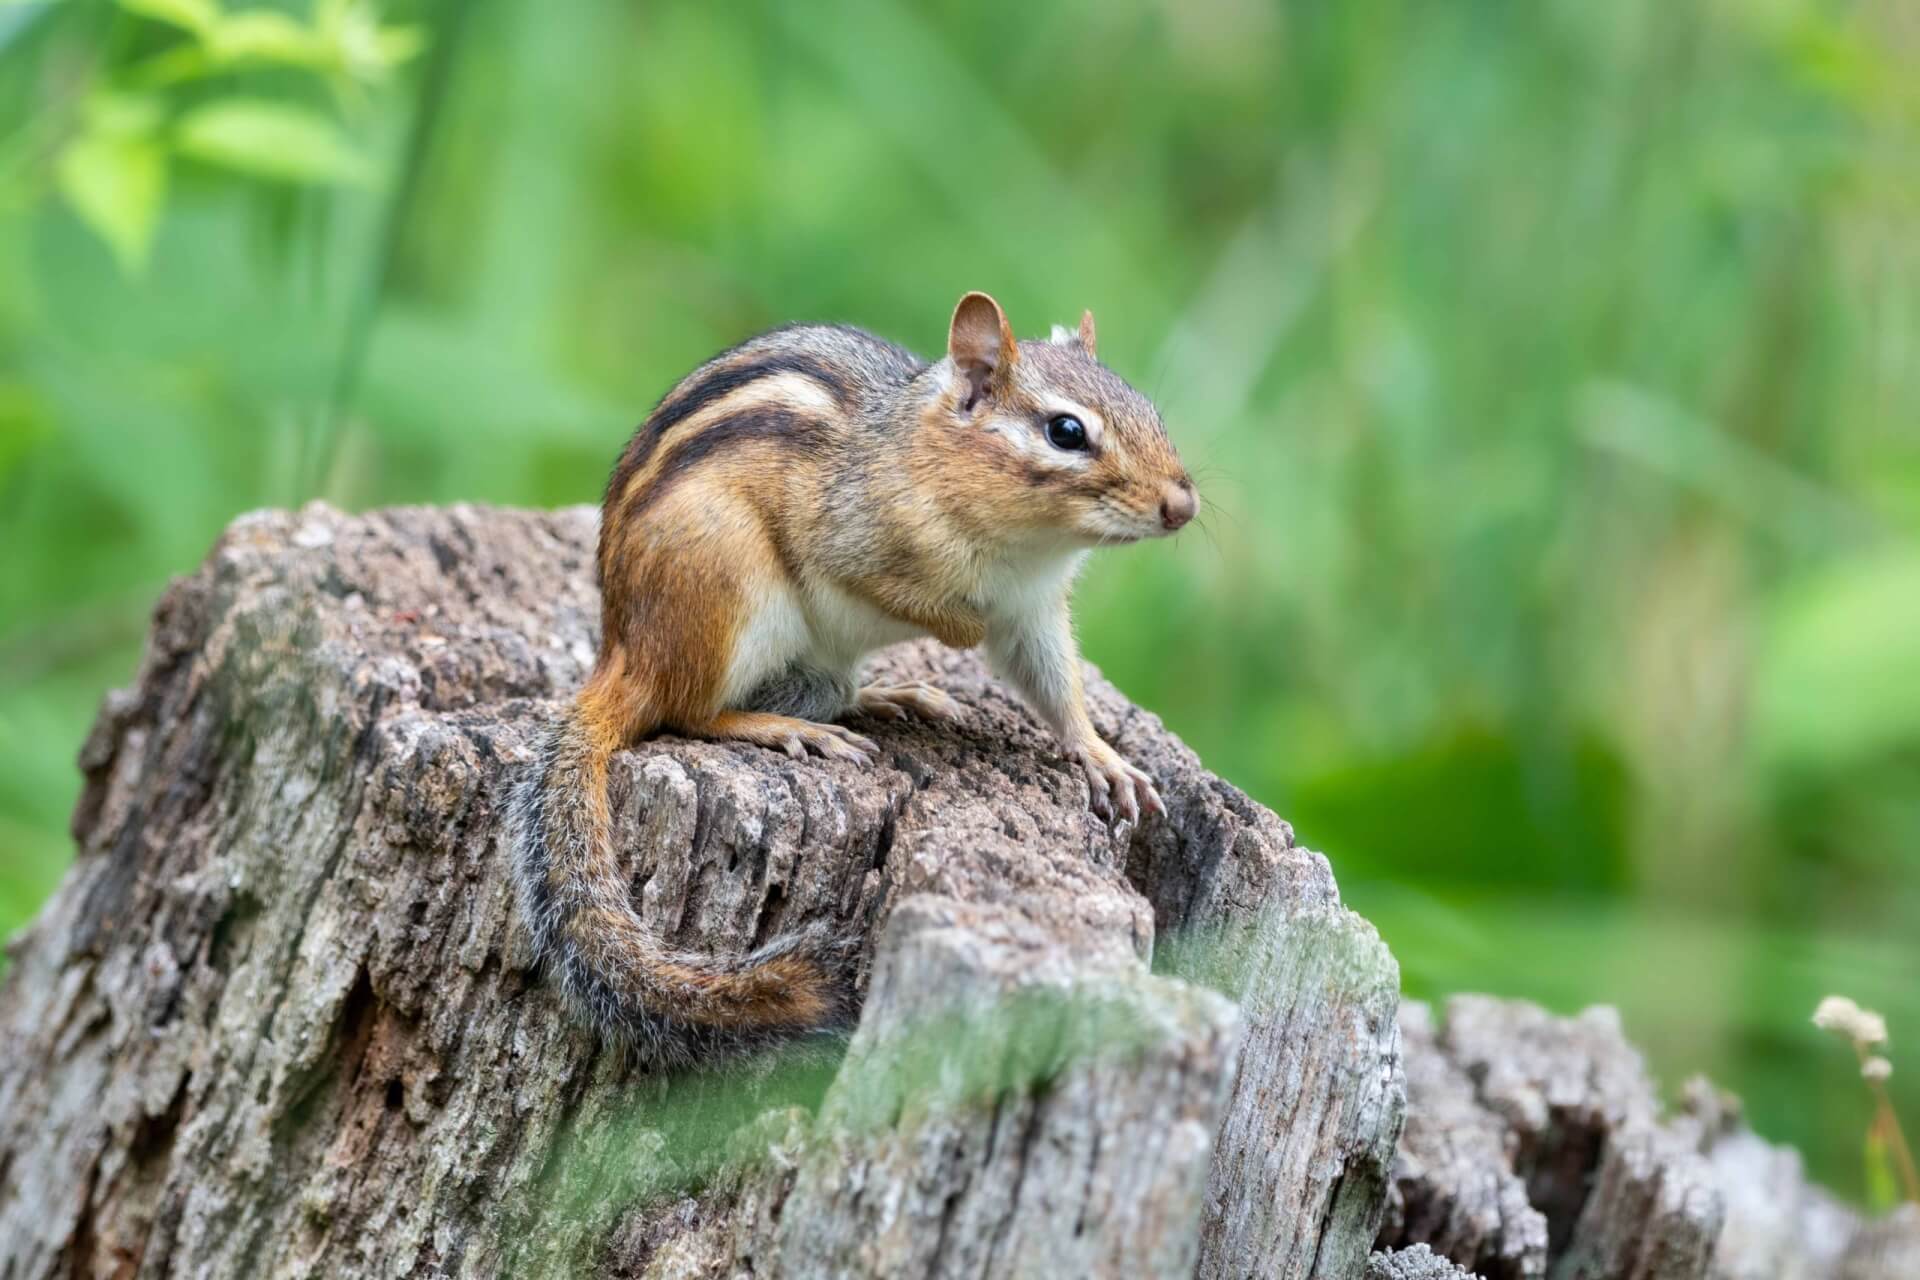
x: 1119, y: 791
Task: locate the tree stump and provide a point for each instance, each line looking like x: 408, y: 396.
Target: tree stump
x: 280, y: 1017
x: 1536, y: 1149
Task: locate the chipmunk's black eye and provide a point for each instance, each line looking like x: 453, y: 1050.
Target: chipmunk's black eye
x: 1064, y: 431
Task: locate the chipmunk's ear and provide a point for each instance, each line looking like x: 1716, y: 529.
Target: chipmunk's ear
x: 1086, y: 331
x: 981, y: 344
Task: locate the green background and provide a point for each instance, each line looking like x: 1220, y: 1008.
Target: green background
x: 1551, y: 370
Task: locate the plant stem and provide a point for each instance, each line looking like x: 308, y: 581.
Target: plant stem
x: 1889, y: 1121
x: 366, y: 309
x: 1902, y: 1153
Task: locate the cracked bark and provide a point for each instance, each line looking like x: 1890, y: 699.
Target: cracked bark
x: 1535, y: 1147
x: 279, y: 1018
x: 1415, y: 1262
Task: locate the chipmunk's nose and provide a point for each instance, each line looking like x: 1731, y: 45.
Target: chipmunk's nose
x: 1178, y: 503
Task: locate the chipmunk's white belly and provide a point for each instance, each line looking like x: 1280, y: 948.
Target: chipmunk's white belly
x: 824, y: 628
x: 819, y: 625
x: 846, y: 628
x: 774, y: 636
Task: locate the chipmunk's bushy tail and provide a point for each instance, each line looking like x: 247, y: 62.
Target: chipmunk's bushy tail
x: 668, y: 1008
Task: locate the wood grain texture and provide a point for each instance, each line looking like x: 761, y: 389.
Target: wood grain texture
x: 1536, y: 1147
x: 1415, y: 1262
x: 279, y: 1019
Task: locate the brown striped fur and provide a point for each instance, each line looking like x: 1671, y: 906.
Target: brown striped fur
x: 791, y: 505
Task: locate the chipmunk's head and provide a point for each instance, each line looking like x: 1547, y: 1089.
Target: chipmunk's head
x: 1068, y: 446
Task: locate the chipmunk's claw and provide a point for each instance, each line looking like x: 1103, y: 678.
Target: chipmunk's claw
x: 1117, y: 791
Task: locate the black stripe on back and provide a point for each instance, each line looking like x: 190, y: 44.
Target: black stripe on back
x: 789, y: 429
x: 689, y: 400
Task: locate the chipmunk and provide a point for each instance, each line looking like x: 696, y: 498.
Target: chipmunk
x: 790, y: 506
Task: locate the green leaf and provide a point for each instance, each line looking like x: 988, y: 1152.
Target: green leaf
x: 121, y: 114
x: 22, y: 426
x: 395, y: 45
x: 364, y: 49
x: 197, y: 16
x: 1838, y: 682
x: 116, y: 183
x: 271, y: 140
x: 263, y: 36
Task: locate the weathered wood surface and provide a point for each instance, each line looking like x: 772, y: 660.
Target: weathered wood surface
x: 1415, y: 1262
x: 279, y: 1018
x: 1536, y: 1147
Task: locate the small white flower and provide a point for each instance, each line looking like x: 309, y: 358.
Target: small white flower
x: 1845, y: 1018
x: 1834, y: 1013
x: 1876, y: 1068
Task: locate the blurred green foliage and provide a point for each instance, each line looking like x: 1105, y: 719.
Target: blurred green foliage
x: 1551, y: 370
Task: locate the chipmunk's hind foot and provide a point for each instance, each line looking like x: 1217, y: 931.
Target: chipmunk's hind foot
x: 794, y: 736
x: 899, y: 701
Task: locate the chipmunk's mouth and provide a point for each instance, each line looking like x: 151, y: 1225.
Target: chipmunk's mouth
x: 1119, y: 529
x: 1113, y: 521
